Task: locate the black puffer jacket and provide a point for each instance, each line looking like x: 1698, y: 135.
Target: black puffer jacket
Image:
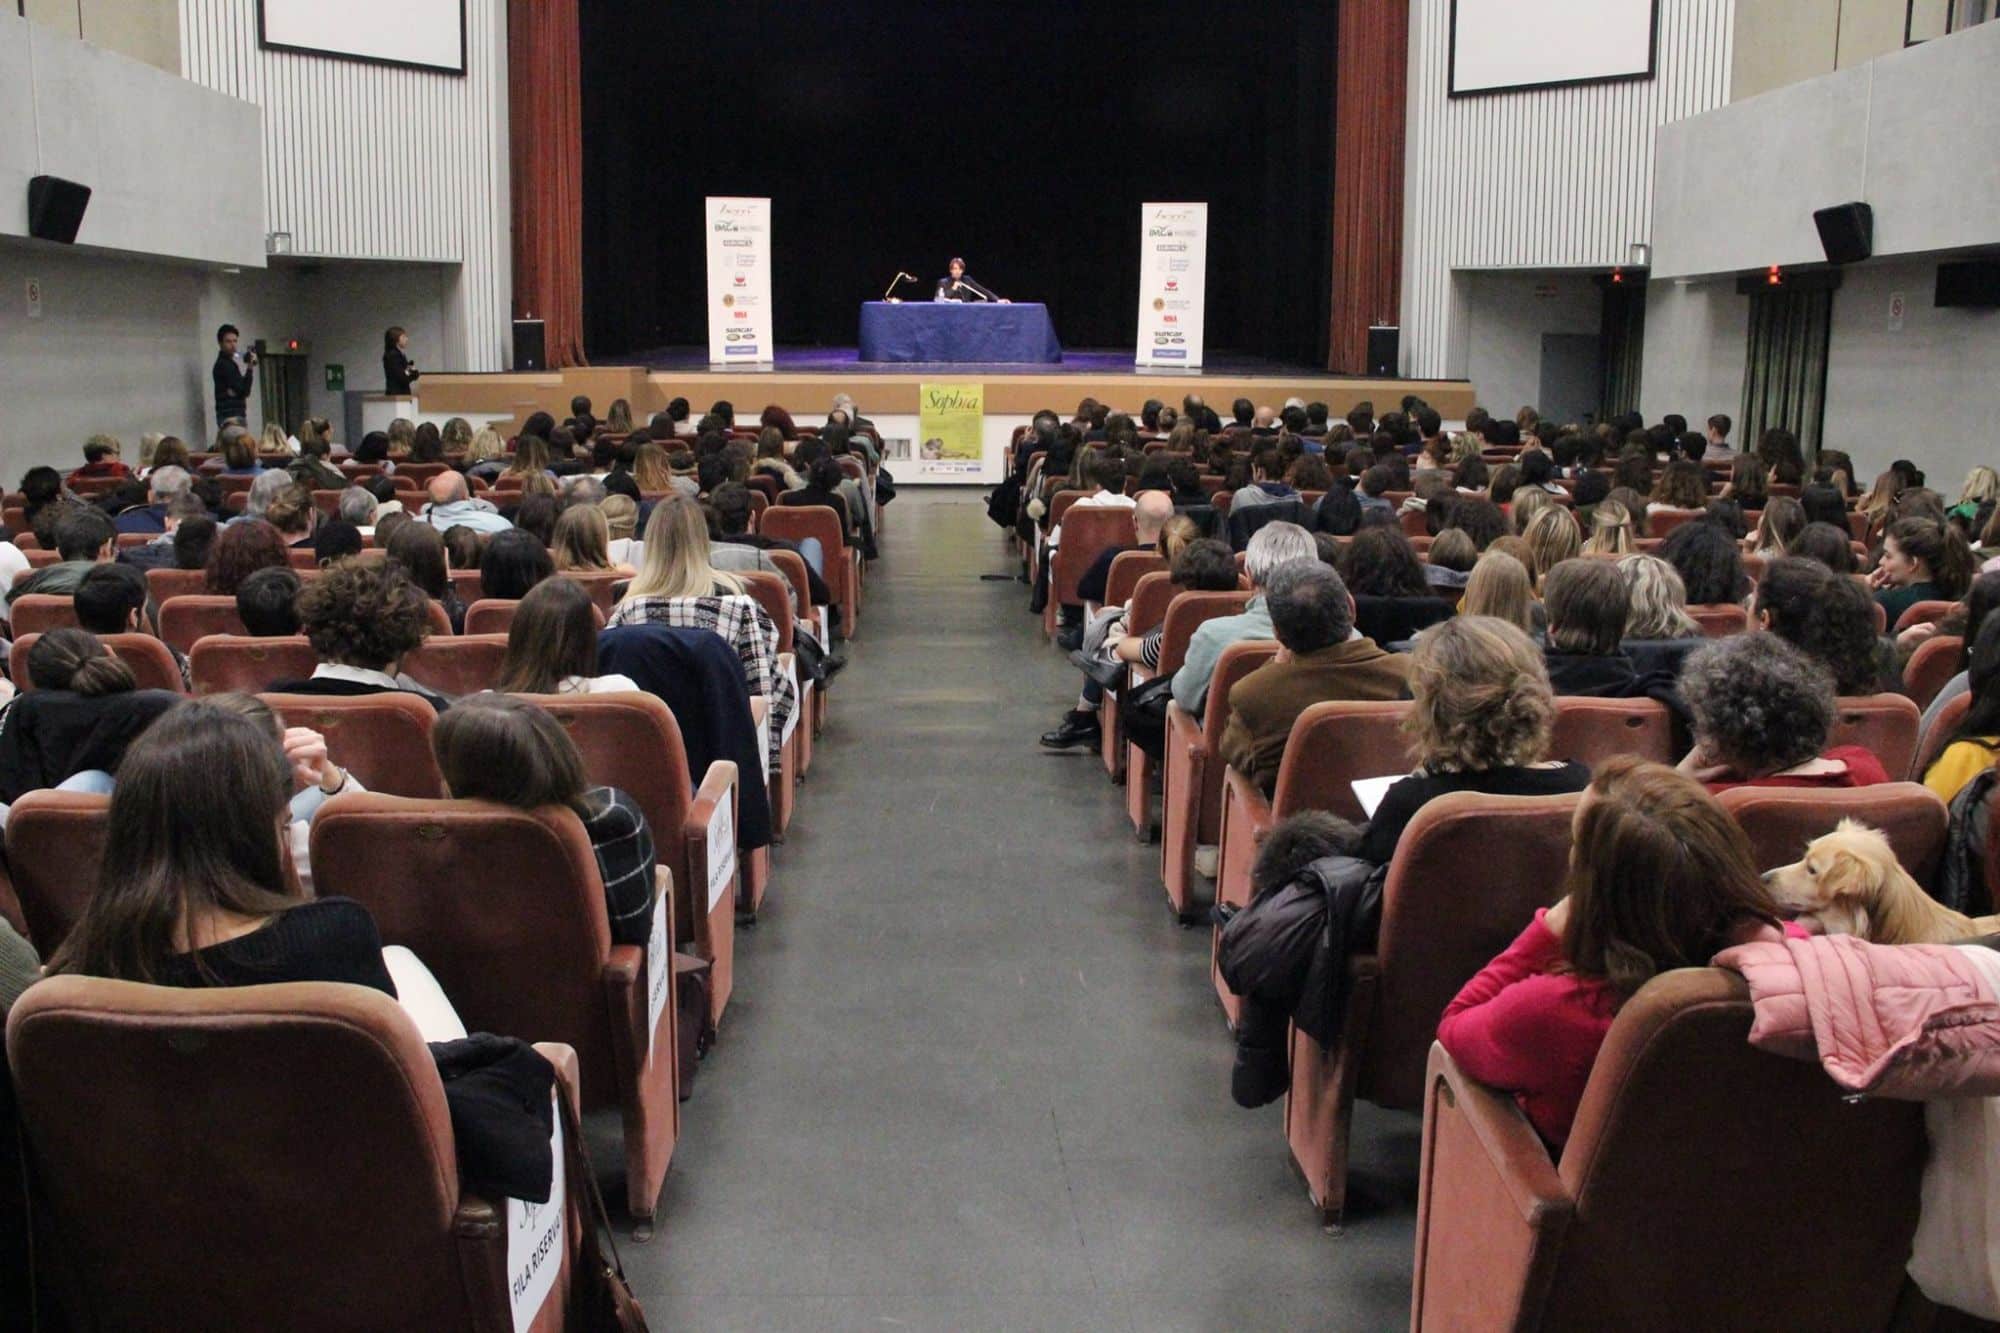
x: 1286, y: 956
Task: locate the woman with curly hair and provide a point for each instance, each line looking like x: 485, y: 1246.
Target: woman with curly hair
x: 1762, y: 712
x: 1682, y: 485
x: 1710, y: 566
x: 1827, y: 616
x: 1478, y: 518
x: 240, y: 550
x: 362, y: 617
x: 1481, y: 721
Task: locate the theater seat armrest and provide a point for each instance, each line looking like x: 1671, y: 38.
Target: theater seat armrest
x: 624, y: 965
x: 1183, y: 731
x: 569, y: 1072
x: 717, y: 785
x: 1519, y: 1161
x: 1491, y: 1214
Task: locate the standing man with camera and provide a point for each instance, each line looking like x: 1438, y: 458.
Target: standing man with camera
x: 232, y: 374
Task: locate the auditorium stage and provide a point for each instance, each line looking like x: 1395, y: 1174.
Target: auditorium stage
x: 805, y: 379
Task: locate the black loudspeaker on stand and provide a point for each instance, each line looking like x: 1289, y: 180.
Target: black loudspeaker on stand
x: 55, y: 208
x: 1383, y: 340
x: 530, y: 345
x: 1846, y: 232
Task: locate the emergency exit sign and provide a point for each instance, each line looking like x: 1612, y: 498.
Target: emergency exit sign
x: 336, y: 375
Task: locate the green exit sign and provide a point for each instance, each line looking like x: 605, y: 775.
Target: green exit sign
x: 336, y: 375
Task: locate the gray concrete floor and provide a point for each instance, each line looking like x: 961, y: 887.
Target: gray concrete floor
x: 973, y: 1075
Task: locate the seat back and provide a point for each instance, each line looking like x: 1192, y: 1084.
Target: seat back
x: 1244, y: 523
x: 163, y: 584
x: 303, y: 1124
x: 1719, y: 620
x: 795, y: 523
x: 1931, y: 667
x: 152, y: 665
x: 1924, y: 613
x: 1468, y: 874
x: 1940, y: 731
x: 457, y: 664
x: 187, y: 618
x: 1590, y: 731
x: 1059, y: 504
x: 600, y: 586
x: 773, y: 593
x: 1334, y: 743
x: 1187, y: 613
x: 1884, y: 723
x: 1780, y: 821
x: 38, y: 613
x: 1125, y: 573
x: 490, y: 615
x: 465, y: 582
x: 1151, y: 596
x: 385, y: 738
x: 55, y: 845
x: 425, y: 870
x: 1667, y: 1220
x: 1086, y: 533
x: 225, y: 662
x: 793, y: 566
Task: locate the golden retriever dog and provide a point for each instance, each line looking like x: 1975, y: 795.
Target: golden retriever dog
x: 1851, y: 884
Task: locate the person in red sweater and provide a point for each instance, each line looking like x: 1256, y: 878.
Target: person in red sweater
x: 1660, y: 877
x: 1762, y: 711
x: 100, y: 459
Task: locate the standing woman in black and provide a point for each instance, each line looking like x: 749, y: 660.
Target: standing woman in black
x: 397, y: 368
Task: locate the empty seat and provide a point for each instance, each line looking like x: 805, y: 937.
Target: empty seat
x: 299, y: 1127
x: 1924, y: 613
x: 153, y: 667
x: 1086, y: 533
x: 238, y: 662
x: 1885, y: 724
x: 841, y: 563
x: 38, y: 613
x: 1691, y: 1149
x: 1590, y: 731
x: 490, y: 615
x: 1931, y: 667
x: 187, y: 618
x: 524, y: 951
x: 1720, y: 620
x: 1191, y: 780
x: 457, y: 664
x: 1780, y: 821
x: 384, y: 738
x: 163, y: 584
x: 1467, y: 876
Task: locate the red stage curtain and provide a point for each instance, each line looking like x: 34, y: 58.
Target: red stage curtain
x: 545, y: 156
x: 1374, y: 58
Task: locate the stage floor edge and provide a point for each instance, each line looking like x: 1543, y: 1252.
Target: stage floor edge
x: 805, y: 380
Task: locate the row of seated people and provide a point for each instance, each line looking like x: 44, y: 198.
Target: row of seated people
x: 1524, y: 678
x: 631, y: 770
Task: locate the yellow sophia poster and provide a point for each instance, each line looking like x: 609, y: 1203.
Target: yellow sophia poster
x: 950, y: 422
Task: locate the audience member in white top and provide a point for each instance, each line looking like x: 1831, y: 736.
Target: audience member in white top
x: 1105, y: 474
x: 552, y: 644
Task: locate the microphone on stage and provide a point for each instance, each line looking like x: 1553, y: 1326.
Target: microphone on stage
x: 901, y: 277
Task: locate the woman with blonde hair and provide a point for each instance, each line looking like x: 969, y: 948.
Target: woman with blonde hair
x: 1527, y: 505
x: 1498, y: 587
x: 274, y: 440
x: 1880, y: 505
x: 1481, y: 719
x: 1778, y: 530
x: 651, y: 469
x: 1552, y: 538
x: 531, y: 457
x: 621, y: 521
x: 677, y: 585
x: 1610, y: 530
x: 618, y: 418
x: 1659, y: 600
x: 402, y: 434
x: 1982, y: 486
x: 486, y: 455
x: 583, y: 543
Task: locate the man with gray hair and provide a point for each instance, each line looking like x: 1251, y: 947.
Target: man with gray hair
x: 161, y: 487
x: 1274, y: 544
x: 357, y: 506
x: 583, y: 489
x: 270, y: 484
x: 1321, y: 658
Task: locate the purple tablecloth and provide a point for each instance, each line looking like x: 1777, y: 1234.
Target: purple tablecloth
x: 944, y: 332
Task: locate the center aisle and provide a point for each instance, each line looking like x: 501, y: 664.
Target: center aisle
x: 972, y: 1075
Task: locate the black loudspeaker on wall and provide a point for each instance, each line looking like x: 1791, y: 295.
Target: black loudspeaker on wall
x: 1382, y: 344
x: 55, y: 208
x: 530, y: 349
x: 1846, y: 232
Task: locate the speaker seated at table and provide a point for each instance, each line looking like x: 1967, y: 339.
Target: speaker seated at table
x: 958, y: 285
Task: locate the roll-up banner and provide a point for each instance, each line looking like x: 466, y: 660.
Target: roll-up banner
x: 1173, y: 283
x: 739, y: 280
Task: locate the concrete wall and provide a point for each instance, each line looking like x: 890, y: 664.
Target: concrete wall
x: 147, y: 30
x: 1736, y: 188
x: 1506, y: 315
x: 150, y: 145
x: 1924, y: 391
x: 1780, y: 42
x: 1697, y: 336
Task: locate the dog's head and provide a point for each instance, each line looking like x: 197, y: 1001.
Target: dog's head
x: 1842, y: 885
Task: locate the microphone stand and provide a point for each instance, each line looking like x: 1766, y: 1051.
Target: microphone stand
x: 901, y: 277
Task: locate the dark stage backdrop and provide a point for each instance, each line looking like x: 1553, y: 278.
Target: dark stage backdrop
x: 1023, y: 136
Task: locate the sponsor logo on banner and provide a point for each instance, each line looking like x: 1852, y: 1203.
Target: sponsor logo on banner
x: 739, y: 279
x: 1173, y: 263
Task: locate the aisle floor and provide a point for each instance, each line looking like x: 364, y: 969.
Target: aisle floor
x: 973, y: 1075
